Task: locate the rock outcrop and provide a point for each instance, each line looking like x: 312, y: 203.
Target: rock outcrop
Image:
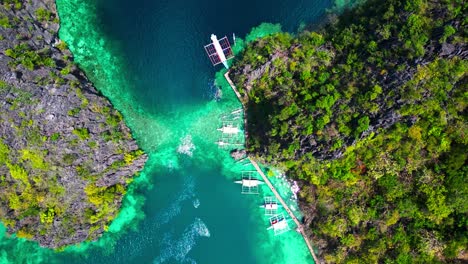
x: 238, y: 154
x: 66, y: 156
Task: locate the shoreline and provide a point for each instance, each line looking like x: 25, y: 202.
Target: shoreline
x: 300, y: 227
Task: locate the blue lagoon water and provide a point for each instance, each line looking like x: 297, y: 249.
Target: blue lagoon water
x: 147, y: 57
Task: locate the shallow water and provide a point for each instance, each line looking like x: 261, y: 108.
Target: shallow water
x: 147, y: 57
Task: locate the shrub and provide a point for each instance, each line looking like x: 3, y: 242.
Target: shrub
x: 18, y: 173
x: 92, y: 144
x: 55, y: 136
x: 130, y: 157
x: 47, y: 217
x: 24, y: 55
x: 4, y: 152
x: 65, y: 71
x: 82, y: 133
x: 363, y: 124
x: 68, y: 159
x: 448, y: 31
x: 62, y: 45
x: 22, y: 233
x: 35, y: 157
x: 74, y: 111
x: 43, y: 14
x: 4, y: 21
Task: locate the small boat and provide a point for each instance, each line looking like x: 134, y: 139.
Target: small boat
x: 236, y: 111
x: 229, y: 129
x: 277, y: 220
x: 249, y: 183
x: 270, y: 206
x: 221, y: 143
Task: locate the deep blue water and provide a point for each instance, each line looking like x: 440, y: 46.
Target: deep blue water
x: 162, y: 41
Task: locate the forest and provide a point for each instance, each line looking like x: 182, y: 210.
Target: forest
x: 369, y: 113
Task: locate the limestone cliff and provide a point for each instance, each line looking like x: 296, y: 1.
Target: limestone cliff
x: 369, y: 115
x: 66, y: 156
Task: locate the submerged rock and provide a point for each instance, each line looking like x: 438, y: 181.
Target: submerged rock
x: 66, y: 155
x: 238, y: 154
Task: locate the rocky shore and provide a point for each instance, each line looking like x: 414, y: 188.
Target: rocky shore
x: 66, y: 156
x: 368, y: 115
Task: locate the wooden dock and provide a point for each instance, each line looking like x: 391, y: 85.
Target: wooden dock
x: 300, y: 227
x: 226, y: 75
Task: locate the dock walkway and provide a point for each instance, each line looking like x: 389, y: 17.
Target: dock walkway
x: 300, y: 227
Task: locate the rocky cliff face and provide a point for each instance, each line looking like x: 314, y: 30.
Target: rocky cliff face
x: 369, y: 114
x: 247, y: 77
x: 66, y: 155
x: 320, y: 77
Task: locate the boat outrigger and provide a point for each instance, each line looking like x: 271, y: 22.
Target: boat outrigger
x: 279, y: 224
x: 250, y: 182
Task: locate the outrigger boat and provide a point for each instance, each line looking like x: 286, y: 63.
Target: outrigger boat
x: 277, y: 220
x: 221, y: 143
x: 229, y: 129
x: 237, y: 111
x: 279, y: 224
x: 270, y: 206
x: 249, y: 182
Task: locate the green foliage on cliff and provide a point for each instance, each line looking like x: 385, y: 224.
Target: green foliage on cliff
x: 12, y: 4
x: 30, y: 59
x: 43, y: 14
x: 51, y: 149
x: 4, y: 21
x: 370, y: 112
x: 82, y: 133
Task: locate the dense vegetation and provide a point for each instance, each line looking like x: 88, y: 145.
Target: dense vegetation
x: 370, y: 113
x: 66, y: 156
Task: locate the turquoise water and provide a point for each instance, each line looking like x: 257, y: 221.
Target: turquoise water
x: 147, y: 57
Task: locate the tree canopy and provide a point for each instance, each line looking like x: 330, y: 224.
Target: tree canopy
x: 369, y: 112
